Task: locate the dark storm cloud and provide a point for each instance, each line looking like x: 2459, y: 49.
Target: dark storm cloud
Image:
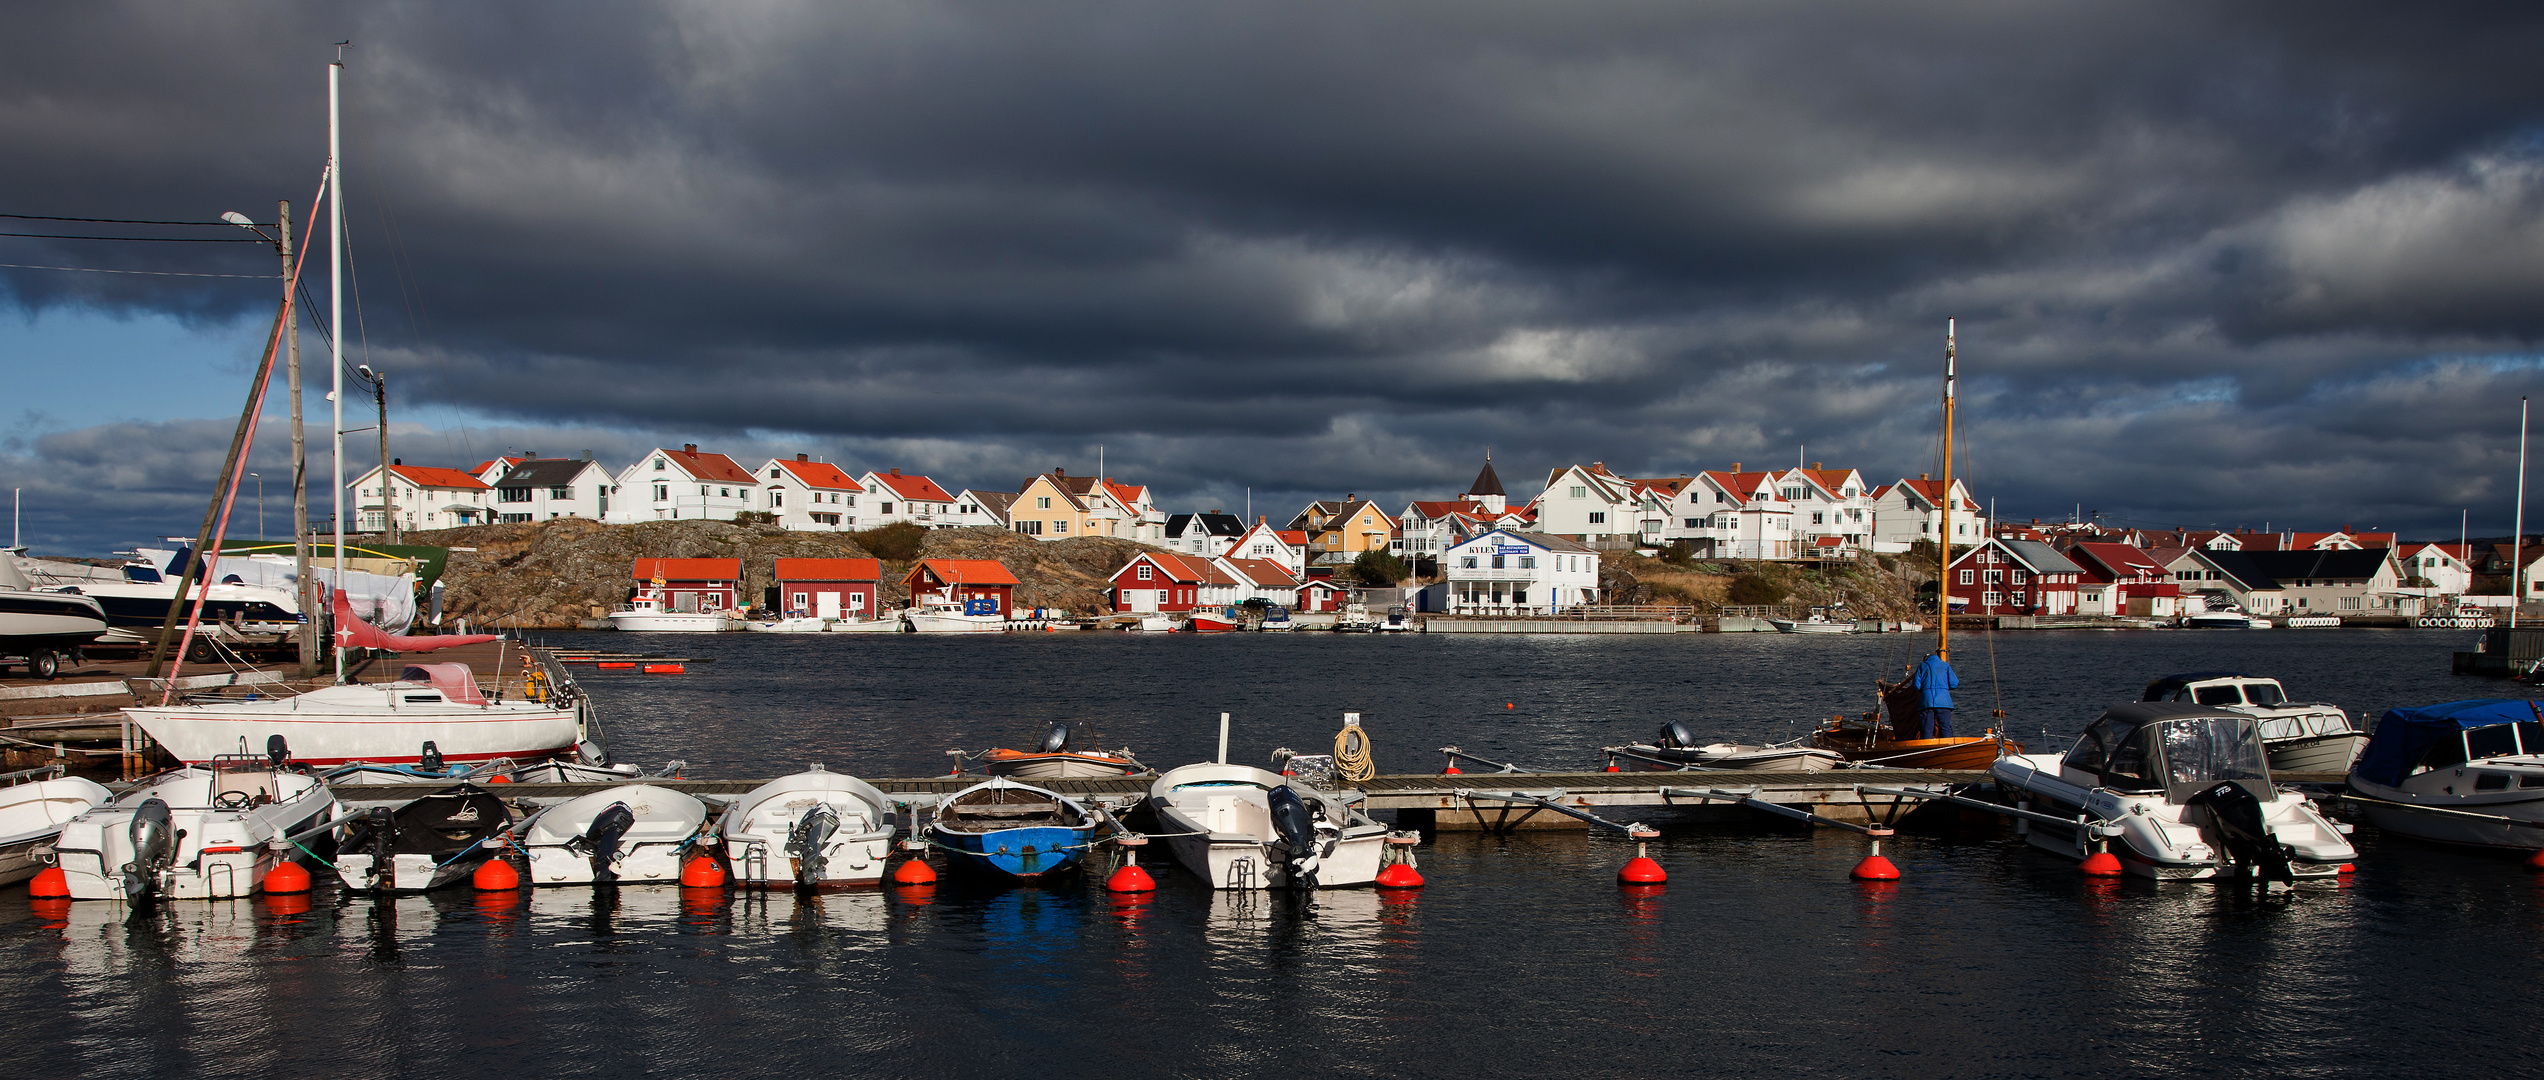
x: 2254, y: 261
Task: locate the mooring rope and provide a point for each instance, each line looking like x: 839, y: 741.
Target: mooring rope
x: 1352, y: 759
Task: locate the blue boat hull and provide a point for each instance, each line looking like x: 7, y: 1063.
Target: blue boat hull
x: 1029, y: 852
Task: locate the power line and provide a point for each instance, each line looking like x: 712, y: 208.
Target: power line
x: 107, y: 220
x: 151, y: 273
x: 142, y: 239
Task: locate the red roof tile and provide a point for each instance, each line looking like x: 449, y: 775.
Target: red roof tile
x: 716, y: 467
x: 427, y: 476
x: 689, y: 569
x: 912, y: 487
x: 820, y: 474
x: 966, y: 572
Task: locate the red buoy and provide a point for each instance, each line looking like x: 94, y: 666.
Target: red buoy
x: 1452, y: 770
x: 1641, y: 870
x: 665, y: 669
x: 702, y: 872
x: 496, y: 875
x: 49, y: 883
x: 499, y: 778
x: 1612, y: 767
x: 1507, y: 705
x: 1875, y: 868
x: 1130, y: 879
x: 914, y: 872
x: 1399, y: 876
x: 287, y: 877
x: 2100, y: 864
x: 2536, y: 861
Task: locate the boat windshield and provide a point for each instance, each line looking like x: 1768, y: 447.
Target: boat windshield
x: 2205, y: 750
x: 2262, y: 693
x: 2218, y: 695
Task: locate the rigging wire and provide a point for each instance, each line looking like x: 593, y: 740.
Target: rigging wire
x: 141, y: 239
x: 146, y: 273
x: 111, y: 220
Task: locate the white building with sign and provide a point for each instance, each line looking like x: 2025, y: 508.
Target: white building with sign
x: 1503, y: 572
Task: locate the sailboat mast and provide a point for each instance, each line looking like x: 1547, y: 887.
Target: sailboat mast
x: 2517, y: 538
x: 335, y: 335
x: 1943, y: 572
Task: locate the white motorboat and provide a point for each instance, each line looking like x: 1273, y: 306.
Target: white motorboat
x: 887, y: 623
x: 630, y: 834
x: 436, y: 840
x: 2300, y: 737
x: 389, y: 722
x: 804, y: 624
x: 1276, y: 620
x: 953, y: 619
x: 133, y: 598
x: 647, y: 613
x: 32, y: 815
x: 2228, y: 617
x: 1817, y: 623
x: 1396, y: 622
x: 200, y: 832
x: 1677, y: 747
x: 1156, y: 624
x: 1240, y: 827
x: 811, y: 829
x: 38, y: 629
x: 2179, y: 791
x: 2466, y: 772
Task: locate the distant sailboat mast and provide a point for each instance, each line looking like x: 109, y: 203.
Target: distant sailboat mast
x: 1943, y: 573
x: 2517, y: 532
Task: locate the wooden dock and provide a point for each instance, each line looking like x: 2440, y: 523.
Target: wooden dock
x: 1432, y: 801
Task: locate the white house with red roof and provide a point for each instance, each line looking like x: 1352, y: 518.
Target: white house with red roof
x: 1590, y: 504
x: 1829, y: 503
x: 1912, y: 510
x: 491, y: 470
x: 1260, y: 579
x: 683, y: 485
x: 1734, y: 513
x: 897, y: 496
x: 1286, y: 549
x: 808, y: 495
x: 424, y: 498
x: 2442, y: 567
x: 2118, y: 579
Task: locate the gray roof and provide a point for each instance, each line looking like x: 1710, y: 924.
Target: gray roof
x: 2042, y: 558
x: 1177, y: 525
x: 545, y: 472
x: 1542, y: 540
x: 2269, y: 569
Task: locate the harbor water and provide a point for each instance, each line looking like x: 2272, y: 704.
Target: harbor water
x: 1521, y: 958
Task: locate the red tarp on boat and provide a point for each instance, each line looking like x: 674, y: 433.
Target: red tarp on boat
x: 353, y: 633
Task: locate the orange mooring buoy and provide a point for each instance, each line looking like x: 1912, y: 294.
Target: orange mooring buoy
x: 701, y: 872
x: 1641, y: 870
x: 497, y: 875
x: 1399, y: 876
x: 2100, y: 864
x: 49, y: 883
x: 287, y: 877
x: 914, y: 872
x: 1130, y: 879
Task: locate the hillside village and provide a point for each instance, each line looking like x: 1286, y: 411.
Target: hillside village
x: 1586, y: 539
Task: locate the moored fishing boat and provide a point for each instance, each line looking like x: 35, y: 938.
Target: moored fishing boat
x: 1240, y: 827
x: 2178, y: 791
x: 2465, y: 772
x: 630, y: 834
x: 32, y: 814
x: 1053, y: 760
x: 1006, y: 829
x: 2300, y: 736
x: 1677, y: 747
x: 887, y: 623
x: 198, y: 832
x: 648, y: 613
x: 1210, y: 621
x: 975, y: 618
x: 436, y: 840
x: 1817, y: 623
x: 811, y: 829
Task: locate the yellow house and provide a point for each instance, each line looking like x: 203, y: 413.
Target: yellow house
x: 1057, y: 506
x: 1346, y: 528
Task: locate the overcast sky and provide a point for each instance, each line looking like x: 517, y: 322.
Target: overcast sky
x: 2213, y: 264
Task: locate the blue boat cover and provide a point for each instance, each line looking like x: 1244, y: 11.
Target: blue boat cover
x: 2403, y: 736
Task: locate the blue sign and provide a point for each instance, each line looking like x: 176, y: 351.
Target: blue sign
x: 980, y: 606
x: 1511, y: 549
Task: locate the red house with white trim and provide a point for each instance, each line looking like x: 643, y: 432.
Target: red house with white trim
x: 828, y: 588
x: 1163, y: 581
x: 1320, y: 594
x: 2014, y: 577
x: 961, y: 581
x: 695, y: 584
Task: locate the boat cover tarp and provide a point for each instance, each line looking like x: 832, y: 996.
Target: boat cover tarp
x: 2403, y: 736
x: 455, y: 681
x: 353, y: 633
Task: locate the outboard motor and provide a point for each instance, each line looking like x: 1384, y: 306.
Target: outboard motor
x: 383, y: 827
x: 277, y: 750
x: 2232, y: 814
x: 431, y: 759
x: 1298, y: 829
x: 600, y: 841
x: 154, y: 846
x: 1676, y: 735
x: 1057, y: 739
x: 592, y: 753
x: 805, y: 841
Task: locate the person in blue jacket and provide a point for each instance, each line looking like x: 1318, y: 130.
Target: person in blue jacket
x: 1935, y: 679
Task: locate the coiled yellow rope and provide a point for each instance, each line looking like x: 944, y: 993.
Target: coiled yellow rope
x: 1351, y: 755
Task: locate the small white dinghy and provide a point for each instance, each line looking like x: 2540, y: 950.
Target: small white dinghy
x: 811, y: 829
x: 32, y: 815
x: 632, y: 833
x: 197, y: 833
x: 1240, y: 827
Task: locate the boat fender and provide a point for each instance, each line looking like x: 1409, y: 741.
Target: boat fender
x: 153, y: 845
x: 1298, y: 830
x: 600, y: 841
x: 805, y: 841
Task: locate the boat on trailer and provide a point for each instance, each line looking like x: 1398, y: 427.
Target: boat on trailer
x: 1240, y: 827
x: 2465, y: 772
x: 2180, y: 791
x: 1005, y: 829
x: 812, y: 829
x: 436, y: 840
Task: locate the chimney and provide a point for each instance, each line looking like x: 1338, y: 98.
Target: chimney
x: 587, y: 455
x: 1058, y: 471
x: 896, y: 471
x: 396, y: 461
x: 1924, y: 476
x: 688, y: 448
x: 1815, y: 466
x: 530, y: 455
x: 803, y: 457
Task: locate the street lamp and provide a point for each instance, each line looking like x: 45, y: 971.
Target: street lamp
x: 282, y: 241
x: 260, y: 507
x: 379, y: 381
